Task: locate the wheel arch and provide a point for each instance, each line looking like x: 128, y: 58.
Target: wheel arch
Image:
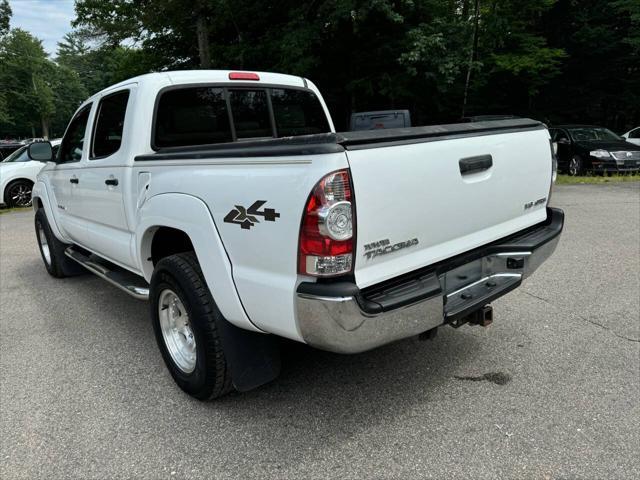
x: 169, y: 223
x: 41, y: 199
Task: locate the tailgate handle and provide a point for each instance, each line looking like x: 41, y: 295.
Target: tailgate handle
x: 475, y: 164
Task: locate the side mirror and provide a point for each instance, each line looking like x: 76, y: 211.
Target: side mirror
x: 40, y: 152
x: 563, y: 141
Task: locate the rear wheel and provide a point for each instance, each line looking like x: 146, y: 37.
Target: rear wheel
x: 575, y: 166
x: 184, y: 318
x: 52, y: 250
x: 18, y: 193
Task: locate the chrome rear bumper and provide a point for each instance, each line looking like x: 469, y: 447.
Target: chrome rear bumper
x: 341, y: 318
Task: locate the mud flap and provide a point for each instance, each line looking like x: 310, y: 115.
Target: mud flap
x: 253, y: 358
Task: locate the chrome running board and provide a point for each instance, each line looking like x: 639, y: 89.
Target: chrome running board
x: 127, y: 281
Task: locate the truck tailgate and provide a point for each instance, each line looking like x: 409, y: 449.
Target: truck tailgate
x: 422, y: 198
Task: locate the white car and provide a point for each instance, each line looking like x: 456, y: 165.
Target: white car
x: 17, y: 175
x: 633, y: 136
x: 228, y: 201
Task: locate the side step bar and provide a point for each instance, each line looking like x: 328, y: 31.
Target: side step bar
x: 127, y: 281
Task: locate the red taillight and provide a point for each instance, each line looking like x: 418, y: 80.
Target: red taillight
x: 327, y: 234
x: 243, y: 76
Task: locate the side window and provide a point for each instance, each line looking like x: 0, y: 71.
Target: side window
x: 73, y: 141
x: 297, y: 112
x: 23, y: 157
x: 192, y: 116
x: 109, y: 123
x: 250, y: 113
x: 561, y: 135
x: 635, y: 133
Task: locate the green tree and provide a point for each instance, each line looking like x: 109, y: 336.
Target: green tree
x: 5, y: 17
x: 600, y: 81
x: 40, y: 95
x: 431, y: 56
x: 23, y: 78
x: 102, y: 65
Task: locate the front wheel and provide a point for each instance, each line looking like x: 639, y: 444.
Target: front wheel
x: 575, y: 166
x: 52, y: 250
x: 184, y: 318
x: 18, y: 194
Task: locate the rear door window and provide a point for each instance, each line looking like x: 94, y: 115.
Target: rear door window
x: 250, y: 113
x: 192, y: 116
x: 297, y: 112
x: 73, y: 141
x: 107, y: 134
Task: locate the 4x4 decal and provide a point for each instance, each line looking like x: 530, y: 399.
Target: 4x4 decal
x: 246, y: 217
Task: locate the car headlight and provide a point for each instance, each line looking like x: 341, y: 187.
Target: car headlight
x: 600, y: 153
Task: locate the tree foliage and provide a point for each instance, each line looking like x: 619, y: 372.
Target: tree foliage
x: 556, y: 60
x: 40, y: 96
x: 5, y: 17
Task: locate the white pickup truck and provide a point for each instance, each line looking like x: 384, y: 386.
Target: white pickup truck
x: 228, y: 201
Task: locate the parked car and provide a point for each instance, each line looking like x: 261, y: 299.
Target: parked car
x: 7, y: 148
x: 27, y: 141
x: 633, y: 136
x: 582, y: 148
x: 487, y: 118
x: 380, y: 119
x: 17, y: 176
x: 195, y: 190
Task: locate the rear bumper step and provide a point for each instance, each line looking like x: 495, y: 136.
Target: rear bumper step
x: 342, y: 318
x: 127, y: 281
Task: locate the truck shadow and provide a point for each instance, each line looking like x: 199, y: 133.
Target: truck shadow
x: 322, y: 400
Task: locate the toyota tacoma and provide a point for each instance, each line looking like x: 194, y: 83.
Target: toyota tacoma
x: 228, y: 201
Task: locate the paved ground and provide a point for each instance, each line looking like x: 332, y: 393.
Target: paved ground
x: 84, y: 393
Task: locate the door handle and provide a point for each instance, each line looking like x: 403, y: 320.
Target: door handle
x: 74, y: 180
x: 475, y: 164
x: 111, y: 181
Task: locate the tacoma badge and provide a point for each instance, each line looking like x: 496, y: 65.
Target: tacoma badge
x: 384, y: 247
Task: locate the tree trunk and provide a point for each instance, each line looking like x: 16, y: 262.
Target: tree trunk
x: 45, y: 128
x: 473, y: 57
x: 202, y: 32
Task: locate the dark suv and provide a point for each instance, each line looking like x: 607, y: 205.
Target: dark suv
x: 583, y: 148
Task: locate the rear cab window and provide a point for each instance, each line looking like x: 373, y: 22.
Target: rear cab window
x: 207, y: 115
x: 297, y: 112
x: 250, y: 112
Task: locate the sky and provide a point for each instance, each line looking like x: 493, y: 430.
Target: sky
x: 47, y: 20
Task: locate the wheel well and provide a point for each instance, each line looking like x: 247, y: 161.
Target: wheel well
x: 14, y: 181
x: 169, y: 241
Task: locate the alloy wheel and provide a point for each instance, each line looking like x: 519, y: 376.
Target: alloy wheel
x: 20, y: 195
x: 44, y: 244
x: 176, y: 331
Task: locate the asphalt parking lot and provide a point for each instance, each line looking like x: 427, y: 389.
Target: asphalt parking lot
x: 550, y: 390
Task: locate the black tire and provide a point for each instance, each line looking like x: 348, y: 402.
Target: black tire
x: 18, y: 193
x: 56, y: 262
x: 575, y: 167
x: 181, y: 274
